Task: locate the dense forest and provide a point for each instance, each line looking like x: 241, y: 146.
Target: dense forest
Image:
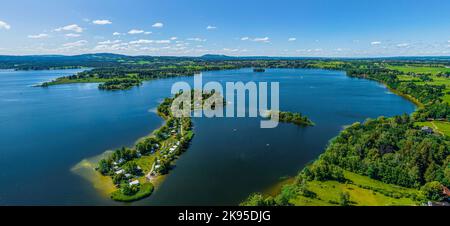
x: 120, y: 84
x: 391, y: 150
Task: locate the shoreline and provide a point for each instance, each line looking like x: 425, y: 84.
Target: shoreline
x: 277, y: 189
x: 406, y: 96
x: 158, y: 180
x: 152, y: 160
x: 104, y: 184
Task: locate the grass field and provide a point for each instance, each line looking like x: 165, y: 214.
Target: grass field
x: 431, y: 70
x: 328, y: 65
x: 64, y: 80
x: 423, y: 70
x: 437, y: 126
x: 362, y: 191
x: 145, y: 162
x: 145, y: 190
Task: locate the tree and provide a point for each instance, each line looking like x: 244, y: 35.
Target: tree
x: 432, y: 191
x: 321, y: 170
x: 104, y: 167
x: 258, y: 200
x: 132, y: 168
x: 145, y: 146
x: 118, y: 178
x: 129, y: 189
x: 344, y: 199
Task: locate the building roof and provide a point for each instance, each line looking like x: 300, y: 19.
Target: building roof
x: 446, y: 191
x: 427, y: 129
x: 135, y: 182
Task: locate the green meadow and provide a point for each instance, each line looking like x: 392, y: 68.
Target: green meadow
x: 438, y: 126
x: 420, y: 69
x: 362, y: 191
x: 426, y: 70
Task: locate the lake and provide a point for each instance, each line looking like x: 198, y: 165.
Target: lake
x: 44, y: 132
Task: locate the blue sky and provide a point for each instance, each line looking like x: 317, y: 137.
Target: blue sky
x: 346, y: 28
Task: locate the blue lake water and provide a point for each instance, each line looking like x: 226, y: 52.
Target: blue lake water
x: 44, y: 132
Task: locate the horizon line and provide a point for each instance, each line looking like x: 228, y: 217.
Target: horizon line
x: 230, y: 56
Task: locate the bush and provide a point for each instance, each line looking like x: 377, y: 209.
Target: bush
x: 344, y: 199
x: 145, y: 190
x: 432, y: 191
x: 257, y: 199
x: 321, y: 171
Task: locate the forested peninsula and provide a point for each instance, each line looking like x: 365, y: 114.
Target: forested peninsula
x: 132, y: 170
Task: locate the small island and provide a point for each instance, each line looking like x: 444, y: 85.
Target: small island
x: 291, y: 117
x: 132, y: 170
x: 259, y: 70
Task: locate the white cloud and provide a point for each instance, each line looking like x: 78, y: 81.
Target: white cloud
x: 141, y: 41
x: 209, y: 27
x: 4, y: 25
x: 158, y: 25
x: 102, y: 47
x: 101, y: 22
x: 150, y: 49
x: 265, y: 39
x: 374, y: 43
x: 162, y: 41
x: 292, y: 39
x: 38, y: 36
x: 72, y: 35
x: 113, y: 47
x: 75, y: 44
x: 197, y: 39
x: 147, y: 32
x: 109, y: 42
x: 72, y: 27
x: 230, y: 50
x: 135, y: 31
x: 146, y: 41
x: 116, y: 34
x: 173, y: 38
x: 403, y: 45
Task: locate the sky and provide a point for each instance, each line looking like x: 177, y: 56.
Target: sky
x: 327, y: 28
